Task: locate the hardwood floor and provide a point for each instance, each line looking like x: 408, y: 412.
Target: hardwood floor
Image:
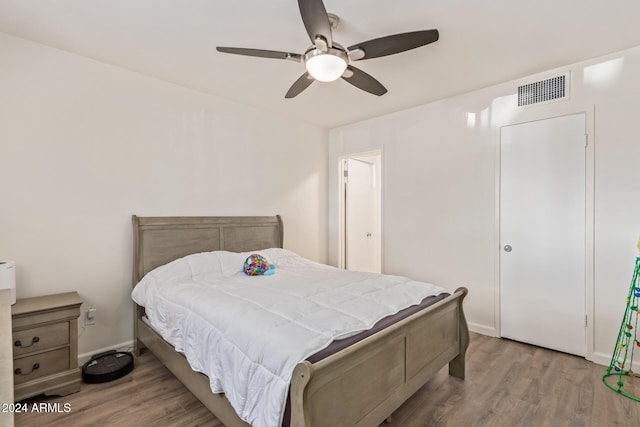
x: 507, y: 384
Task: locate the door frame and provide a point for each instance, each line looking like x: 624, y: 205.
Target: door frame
x: 589, y: 222
x: 342, y: 230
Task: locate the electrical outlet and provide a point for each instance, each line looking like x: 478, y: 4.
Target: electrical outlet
x: 90, y: 317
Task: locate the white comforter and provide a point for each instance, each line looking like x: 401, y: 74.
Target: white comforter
x: 247, y: 333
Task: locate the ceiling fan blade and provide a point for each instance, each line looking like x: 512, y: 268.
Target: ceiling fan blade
x: 396, y: 43
x: 364, y: 81
x: 299, y: 85
x: 315, y: 19
x: 261, y: 53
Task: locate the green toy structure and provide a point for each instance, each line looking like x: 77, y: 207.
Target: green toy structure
x: 621, y: 366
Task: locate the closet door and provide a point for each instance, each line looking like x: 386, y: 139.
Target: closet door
x: 362, y: 214
x: 542, y: 233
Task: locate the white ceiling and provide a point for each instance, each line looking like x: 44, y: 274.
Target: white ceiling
x: 482, y: 42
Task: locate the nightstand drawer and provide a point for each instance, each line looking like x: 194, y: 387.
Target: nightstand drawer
x: 40, y: 365
x: 36, y: 339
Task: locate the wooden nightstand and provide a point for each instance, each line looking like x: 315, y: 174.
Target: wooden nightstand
x: 45, y: 345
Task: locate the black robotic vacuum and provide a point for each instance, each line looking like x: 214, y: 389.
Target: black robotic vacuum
x: 107, y: 366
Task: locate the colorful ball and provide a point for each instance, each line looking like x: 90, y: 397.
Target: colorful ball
x: 255, y: 265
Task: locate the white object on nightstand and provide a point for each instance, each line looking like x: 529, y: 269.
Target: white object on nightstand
x: 6, y: 358
x: 8, y: 278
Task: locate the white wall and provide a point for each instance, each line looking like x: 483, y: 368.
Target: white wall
x: 84, y: 145
x: 440, y: 169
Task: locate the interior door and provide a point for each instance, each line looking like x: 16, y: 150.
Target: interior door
x: 362, y: 214
x: 542, y: 233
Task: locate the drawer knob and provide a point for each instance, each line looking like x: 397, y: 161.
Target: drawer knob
x: 33, y: 341
x: 35, y: 366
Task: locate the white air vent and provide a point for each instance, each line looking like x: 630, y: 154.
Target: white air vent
x: 542, y: 91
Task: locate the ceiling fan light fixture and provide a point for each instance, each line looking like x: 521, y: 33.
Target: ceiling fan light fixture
x: 326, y: 60
x: 326, y: 66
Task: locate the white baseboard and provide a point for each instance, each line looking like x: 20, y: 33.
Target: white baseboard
x: 123, y: 346
x: 601, y: 358
x: 605, y: 359
x: 482, y: 329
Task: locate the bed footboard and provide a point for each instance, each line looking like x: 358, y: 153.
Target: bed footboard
x: 364, y: 383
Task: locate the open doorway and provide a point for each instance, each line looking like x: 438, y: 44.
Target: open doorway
x: 361, y: 212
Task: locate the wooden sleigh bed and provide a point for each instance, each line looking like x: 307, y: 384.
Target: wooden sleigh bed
x: 360, y: 385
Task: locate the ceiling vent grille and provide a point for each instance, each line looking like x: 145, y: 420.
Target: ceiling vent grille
x: 542, y: 91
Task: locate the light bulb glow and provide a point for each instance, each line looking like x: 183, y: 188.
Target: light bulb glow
x: 325, y: 67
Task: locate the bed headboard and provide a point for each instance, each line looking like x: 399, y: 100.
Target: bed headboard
x: 159, y: 240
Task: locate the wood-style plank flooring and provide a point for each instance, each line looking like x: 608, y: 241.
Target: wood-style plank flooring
x: 507, y: 384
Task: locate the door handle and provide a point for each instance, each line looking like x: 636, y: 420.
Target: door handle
x: 508, y: 248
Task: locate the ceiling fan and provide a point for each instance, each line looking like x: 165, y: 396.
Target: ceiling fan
x: 326, y: 60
